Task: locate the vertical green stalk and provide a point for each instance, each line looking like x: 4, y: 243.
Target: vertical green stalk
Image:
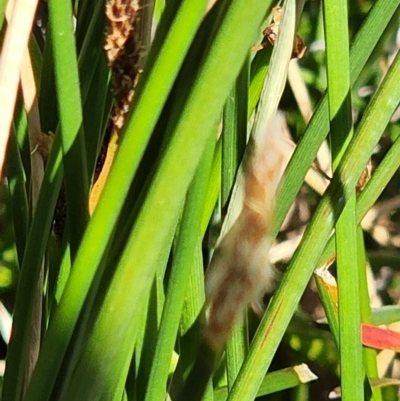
x: 190, y: 330
x: 236, y: 349
x: 29, y: 273
x: 351, y: 357
x: 329, y: 303
x: 47, y: 96
x: 338, y: 77
x: 70, y: 114
x: 2, y: 11
x: 340, y: 119
x: 187, y: 243
x: 233, y: 143
x: 234, y: 131
x: 369, y: 354
x: 19, y: 199
x: 22, y: 137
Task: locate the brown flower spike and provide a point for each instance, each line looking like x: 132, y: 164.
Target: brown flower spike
x: 122, y: 50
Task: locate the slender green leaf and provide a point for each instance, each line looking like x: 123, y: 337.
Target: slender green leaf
x: 186, y: 244
x: 70, y: 114
x: 34, y: 251
x: 277, y: 381
x: 340, y: 121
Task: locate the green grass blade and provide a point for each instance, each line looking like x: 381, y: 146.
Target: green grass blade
x: 186, y: 244
x: 259, y: 70
x: 233, y: 144
x: 340, y: 121
x: 274, y: 382
x: 47, y: 100
x: 277, y: 72
x: 189, y: 330
x: 70, y: 114
x: 351, y: 357
x: 338, y: 67
x: 213, y: 188
x: 92, y: 48
x: 94, y: 73
x: 34, y: 251
x: 35, y: 245
x: 98, y: 103
x: 21, y: 133
x: 84, y: 17
x: 329, y: 301
x: 19, y: 199
x: 234, y: 133
x: 385, y: 315
x: 236, y: 350
x: 379, y: 180
x: 2, y: 11
x: 369, y: 354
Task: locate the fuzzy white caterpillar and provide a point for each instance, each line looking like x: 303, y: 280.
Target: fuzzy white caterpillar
x: 240, y: 272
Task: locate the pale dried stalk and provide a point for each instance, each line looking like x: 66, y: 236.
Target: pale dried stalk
x: 29, y: 92
x: 14, y: 47
x: 285, y: 250
x: 380, y: 232
x: 240, y: 272
x: 28, y: 85
x: 211, y: 4
x: 302, y: 97
x: 299, y: 90
x: 304, y: 373
x: 5, y: 323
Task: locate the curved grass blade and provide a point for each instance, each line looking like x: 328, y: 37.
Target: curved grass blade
x: 13, y: 49
x: 279, y: 380
x: 187, y: 241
